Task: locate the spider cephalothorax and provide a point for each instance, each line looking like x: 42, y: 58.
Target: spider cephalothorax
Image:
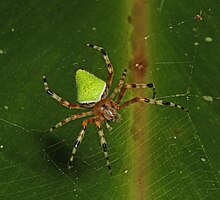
x: 104, y: 107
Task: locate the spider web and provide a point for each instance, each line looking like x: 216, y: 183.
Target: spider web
x: 176, y: 138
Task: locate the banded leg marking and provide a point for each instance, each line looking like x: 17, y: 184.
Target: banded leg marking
x: 68, y: 119
x: 121, y: 82
x: 107, y: 61
x: 104, y: 145
x: 151, y: 101
x: 79, y: 140
x: 58, y: 98
x: 137, y: 85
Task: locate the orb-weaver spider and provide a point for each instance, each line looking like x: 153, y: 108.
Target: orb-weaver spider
x: 105, y: 107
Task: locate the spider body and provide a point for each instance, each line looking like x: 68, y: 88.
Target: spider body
x: 103, y: 107
x: 199, y: 16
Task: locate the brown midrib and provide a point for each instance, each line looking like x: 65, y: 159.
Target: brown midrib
x: 139, y: 117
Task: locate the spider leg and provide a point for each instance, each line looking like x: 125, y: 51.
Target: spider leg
x: 79, y: 139
x: 121, y: 82
x: 68, y: 119
x: 103, y: 144
x: 137, y: 85
x: 58, y: 98
x: 108, y: 127
x: 107, y: 61
x: 151, y: 101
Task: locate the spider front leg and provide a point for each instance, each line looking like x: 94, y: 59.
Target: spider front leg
x: 58, y: 98
x: 79, y: 139
x: 151, y: 101
x: 137, y: 85
x: 103, y: 144
x: 107, y: 61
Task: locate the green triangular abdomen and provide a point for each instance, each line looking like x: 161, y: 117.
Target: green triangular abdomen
x: 89, y: 87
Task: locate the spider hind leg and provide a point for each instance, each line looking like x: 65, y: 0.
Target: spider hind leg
x: 120, y: 83
x: 58, y: 98
x: 68, y: 119
x: 107, y: 61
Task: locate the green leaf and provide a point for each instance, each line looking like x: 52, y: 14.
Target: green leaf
x: 155, y: 152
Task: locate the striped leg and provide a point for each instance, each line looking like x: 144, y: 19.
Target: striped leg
x: 108, y: 63
x: 103, y: 144
x: 118, y: 87
x: 68, y: 119
x: 133, y: 85
x: 151, y: 101
x: 79, y: 140
x: 58, y: 98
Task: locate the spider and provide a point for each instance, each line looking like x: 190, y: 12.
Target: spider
x: 198, y: 17
x: 105, y: 107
